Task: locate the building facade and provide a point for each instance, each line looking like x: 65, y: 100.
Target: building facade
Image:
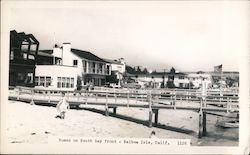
x: 72, y: 69
x: 22, y: 59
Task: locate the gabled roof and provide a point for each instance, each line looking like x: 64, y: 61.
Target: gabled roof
x: 87, y: 55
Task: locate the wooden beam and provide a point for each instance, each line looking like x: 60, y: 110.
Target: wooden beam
x: 200, y: 124
x: 204, y: 123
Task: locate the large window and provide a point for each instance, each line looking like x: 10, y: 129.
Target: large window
x: 43, y: 81
x: 65, y: 82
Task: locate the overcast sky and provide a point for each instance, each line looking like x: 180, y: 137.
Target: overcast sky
x: 190, y: 36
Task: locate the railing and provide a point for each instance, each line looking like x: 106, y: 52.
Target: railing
x: 128, y: 96
x: 152, y: 100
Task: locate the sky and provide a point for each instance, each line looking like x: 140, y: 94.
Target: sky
x: 188, y: 35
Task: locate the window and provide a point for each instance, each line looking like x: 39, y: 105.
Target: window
x: 63, y: 82
x: 71, y: 82
x: 59, y: 82
x: 75, y: 62
x: 30, y: 77
x: 48, y: 81
x: 67, y: 82
x: 42, y: 81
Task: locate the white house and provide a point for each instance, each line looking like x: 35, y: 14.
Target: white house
x: 72, y: 67
x: 118, y: 68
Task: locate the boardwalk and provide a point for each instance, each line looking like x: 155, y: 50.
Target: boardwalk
x: 151, y: 100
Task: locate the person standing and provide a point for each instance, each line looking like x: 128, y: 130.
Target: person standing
x: 62, y: 107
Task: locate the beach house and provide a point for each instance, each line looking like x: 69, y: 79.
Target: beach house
x: 72, y: 69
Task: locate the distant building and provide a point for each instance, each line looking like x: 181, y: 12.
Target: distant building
x: 22, y: 59
x: 72, y: 69
x: 117, y: 70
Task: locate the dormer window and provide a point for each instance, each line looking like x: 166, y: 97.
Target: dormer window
x: 75, y: 62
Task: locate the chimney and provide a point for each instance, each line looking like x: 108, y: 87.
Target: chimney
x: 66, y: 54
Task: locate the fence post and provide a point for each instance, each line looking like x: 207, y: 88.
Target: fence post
x: 227, y: 105
x: 204, y: 123
x: 106, y: 105
x: 128, y: 99
x: 49, y: 96
x: 200, y: 124
x: 174, y: 102
x: 115, y: 97
x: 32, y: 97
x: 86, y: 97
x: 150, y: 110
x: 156, y: 116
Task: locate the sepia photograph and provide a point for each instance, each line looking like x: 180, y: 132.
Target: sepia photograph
x: 125, y: 76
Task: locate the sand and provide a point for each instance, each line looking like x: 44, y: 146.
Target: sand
x: 33, y: 124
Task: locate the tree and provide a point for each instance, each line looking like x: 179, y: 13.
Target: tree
x: 112, y: 78
x: 172, y: 70
x: 145, y: 71
x: 79, y: 83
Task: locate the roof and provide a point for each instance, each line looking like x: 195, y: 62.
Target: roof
x: 113, y: 61
x: 87, y: 55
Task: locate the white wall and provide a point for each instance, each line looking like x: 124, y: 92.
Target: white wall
x: 55, y: 71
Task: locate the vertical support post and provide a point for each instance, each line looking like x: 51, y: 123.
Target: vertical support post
x: 128, y: 99
x: 200, y: 124
x: 49, y: 96
x: 32, y: 97
x: 204, y: 123
x: 114, y: 110
x: 227, y: 105
x: 106, y: 105
x: 174, y: 102
x: 136, y: 95
x: 115, y: 97
x: 86, y: 101
x: 150, y: 110
x: 156, y: 116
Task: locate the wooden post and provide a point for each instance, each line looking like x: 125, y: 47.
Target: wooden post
x: 49, y: 96
x: 128, y: 100
x: 106, y: 105
x: 200, y: 124
x: 115, y: 97
x: 204, y: 123
x: 174, y: 102
x: 150, y: 111
x: 86, y: 98
x: 227, y: 105
x: 114, y: 110
x: 156, y: 116
x: 96, y: 97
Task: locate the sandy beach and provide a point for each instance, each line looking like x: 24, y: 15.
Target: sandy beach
x: 35, y: 123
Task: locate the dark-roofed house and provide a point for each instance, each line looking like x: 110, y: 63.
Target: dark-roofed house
x: 23, y: 56
x: 72, y: 69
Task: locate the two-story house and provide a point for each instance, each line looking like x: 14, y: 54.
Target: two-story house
x: 72, y: 68
x: 22, y: 59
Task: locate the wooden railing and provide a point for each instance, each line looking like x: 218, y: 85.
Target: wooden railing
x: 150, y: 99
